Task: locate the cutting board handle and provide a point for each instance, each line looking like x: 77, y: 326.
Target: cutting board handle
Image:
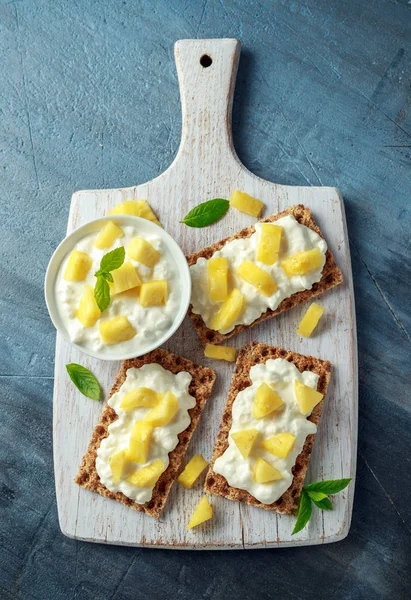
x: 207, y: 72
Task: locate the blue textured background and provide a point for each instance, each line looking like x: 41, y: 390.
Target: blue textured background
x: 89, y: 99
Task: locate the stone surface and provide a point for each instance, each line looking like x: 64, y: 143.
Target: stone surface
x: 89, y: 99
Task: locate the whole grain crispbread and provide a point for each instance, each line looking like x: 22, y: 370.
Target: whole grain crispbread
x: 331, y: 276
x: 249, y: 355
x: 200, y: 388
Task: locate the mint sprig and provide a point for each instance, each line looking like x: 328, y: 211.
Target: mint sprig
x: 305, y: 510
x: 110, y: 262
x: 317, y: 493
x: 84, y: 381
x: 102, y: 293
x: 206, y: 213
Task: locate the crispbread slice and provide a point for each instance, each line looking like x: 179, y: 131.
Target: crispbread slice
x: 249, y: 355
x: 331, y: 276
x: 200, y: 388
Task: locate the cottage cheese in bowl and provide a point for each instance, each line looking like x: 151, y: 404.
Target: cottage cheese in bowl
x: 149, y: 294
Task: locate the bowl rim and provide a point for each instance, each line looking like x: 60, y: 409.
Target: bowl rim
x: 67, y: 245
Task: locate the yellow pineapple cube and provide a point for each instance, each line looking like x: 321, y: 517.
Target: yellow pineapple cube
x: 139, y: 442
x: 280, y: 444
x: 220, y: 352
x: 266, y: 401
x: 303, y: 262
x: 147, y: 476
x: 217, y: 274
x: 192, y: 471
x: 265, y: 473
x: 116, y: 330
x: 244, y: 440
x: 124, y: 278
x: 229, y: 311
x: 257, y: 277
x: 88, y: 313
x: 139, y: 397
x: 118, y: 464
x: 203, y: 512
x: 78, y: 266
x: 135, y: 208
x: 307, y: 397
x: 246, y: 204
x: 143, y: 252
x: 310, y: 320
x: 269, y: 243
x: 108, y: 235
x: 154, y: 293
x: 164, y: 411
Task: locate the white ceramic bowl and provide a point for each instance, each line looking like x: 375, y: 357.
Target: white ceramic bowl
x: 67, y: 246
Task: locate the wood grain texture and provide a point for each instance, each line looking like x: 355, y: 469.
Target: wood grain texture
x: 206, y: 166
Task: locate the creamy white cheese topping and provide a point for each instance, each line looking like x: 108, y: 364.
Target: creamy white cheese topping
x: 164, y: 439
x: 296, y: 238
x: 238, y: 471
x: 150, y: 322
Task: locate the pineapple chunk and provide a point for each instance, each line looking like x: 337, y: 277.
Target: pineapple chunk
x: 257, y: 277
x: 229, y: 311
x: 192, y: 471
x: 154, y: 293
x: 303, y: 262
x: 139, y: 442
x: 78, y: 266
x: 266, y: 401
x: 114, y: 331
x: 143, y: 252
x: 307, y: 397
x: 124, y: 278
x: 164, y: 411
x: 220, y: 352
x: 135, y: 208
x: 310, y: 320
x: 280, y: 444
x: 147, y: 476
x: 265, y: 473
x: 108, y: 235
x: 139, y: 397
x: 217, y: 273
x: 268, y: 248
x: 203, y: 512
x: 118, y: 464
x: 244, y: 440
x: 245, y: 203
x: 88, y: 313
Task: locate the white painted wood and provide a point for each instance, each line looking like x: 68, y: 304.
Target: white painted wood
x: 206, y: 166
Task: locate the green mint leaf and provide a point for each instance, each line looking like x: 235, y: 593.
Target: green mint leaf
x: 317, y: 496
x: 112, y: 260
x: 304, y: 513
x: 84, y: 381
x: 206, y: 213
x: 102, y: 293
x: 105, y: 274
x: 332, y: 486
x: 324, y: 504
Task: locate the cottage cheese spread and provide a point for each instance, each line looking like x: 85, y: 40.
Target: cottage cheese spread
x: 238, y: 471
x: 150, y: 323
x: 296, y: 238
x: 164, y: 439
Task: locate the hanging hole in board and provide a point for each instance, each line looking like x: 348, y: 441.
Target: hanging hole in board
x: 206, y: 61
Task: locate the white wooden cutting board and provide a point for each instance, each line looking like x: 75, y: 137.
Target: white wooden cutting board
x: 206, y: 167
